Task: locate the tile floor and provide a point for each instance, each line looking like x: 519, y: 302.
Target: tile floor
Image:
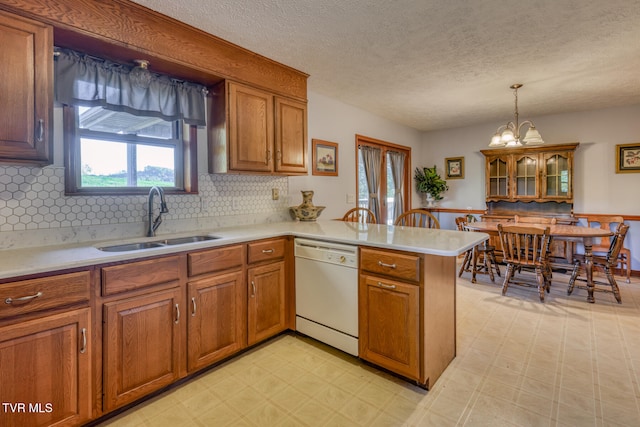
x: 519, y: 363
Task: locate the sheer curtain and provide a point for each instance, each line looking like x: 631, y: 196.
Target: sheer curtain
x: 84, y: 80
x: 372, y: 159
x: 396, y: 160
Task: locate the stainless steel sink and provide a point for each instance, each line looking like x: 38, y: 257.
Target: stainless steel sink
x: 157, y: 243
x: 188, y: 239
x: 131, y: 247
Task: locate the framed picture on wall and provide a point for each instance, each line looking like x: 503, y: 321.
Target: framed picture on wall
x: 325, y: 158
x: 454, y: 167
x: 628, y: 158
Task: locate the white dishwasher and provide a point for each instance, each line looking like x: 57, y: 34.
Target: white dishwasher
x: 327, y: 292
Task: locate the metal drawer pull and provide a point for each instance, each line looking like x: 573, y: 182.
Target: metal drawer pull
x: 177, y: 314
x: 22, y: 299
x: 382, y: 264
x: 83, y: 332
x: 267, y: 251
x: 193, y: 306
x: 384, y: 285
x: 253, y: 289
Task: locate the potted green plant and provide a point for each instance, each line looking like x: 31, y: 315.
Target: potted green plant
x: 428, y: 181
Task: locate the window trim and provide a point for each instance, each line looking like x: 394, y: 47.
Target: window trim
x: 187, y: 147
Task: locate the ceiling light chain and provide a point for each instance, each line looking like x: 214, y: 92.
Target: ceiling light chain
x: 509, y: 134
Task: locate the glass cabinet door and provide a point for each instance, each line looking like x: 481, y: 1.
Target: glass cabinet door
x: 498, y: 178
x: 557, y: 175
x: 526, y: 176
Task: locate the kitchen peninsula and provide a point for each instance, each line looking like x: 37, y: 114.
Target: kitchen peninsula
x: 199, y: 303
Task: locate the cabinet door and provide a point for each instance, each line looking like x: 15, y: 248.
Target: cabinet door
x: 141, y: 346
x: 526, y: 177
x: 389, y: 325
x: 497, y: 173
x: 26, y: 49
x: 45, y: 371
x: 557, y: 181
x: 266, y: 307
x: 217, y: 318
x: 250, y: 129
x: 291, y: 136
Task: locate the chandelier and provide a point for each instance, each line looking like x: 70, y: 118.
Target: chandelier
x: 509, y: 135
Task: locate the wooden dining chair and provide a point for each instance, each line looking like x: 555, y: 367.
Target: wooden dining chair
x: 418, y: 218
x: 361, y: 215
x: 606, y: 222
x: 525, y: 247
x: 607, y: 263
x: 479, y: 259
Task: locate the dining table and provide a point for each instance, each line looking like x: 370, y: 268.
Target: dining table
x: 584, y: 235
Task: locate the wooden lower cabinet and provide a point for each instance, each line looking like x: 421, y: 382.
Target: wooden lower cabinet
x: 389, y: 324
x: 266, y: 301
x: 45, y: 371
x: 141, y: 345
x: 217, y: 318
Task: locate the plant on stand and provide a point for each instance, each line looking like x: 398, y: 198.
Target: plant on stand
x: 429, y: 182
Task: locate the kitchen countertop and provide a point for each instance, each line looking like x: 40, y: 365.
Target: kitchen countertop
x: 20, y: 262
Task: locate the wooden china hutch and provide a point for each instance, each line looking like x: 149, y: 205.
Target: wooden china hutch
x: 531, y: 181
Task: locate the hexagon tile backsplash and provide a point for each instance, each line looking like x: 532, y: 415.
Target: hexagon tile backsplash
x: 33, y: 198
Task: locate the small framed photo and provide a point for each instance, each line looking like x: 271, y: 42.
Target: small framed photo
x: 628, y: 158
x: 454, y: 167
x: 325, y: 158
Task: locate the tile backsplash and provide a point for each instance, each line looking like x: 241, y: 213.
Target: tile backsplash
x: 32, y: 198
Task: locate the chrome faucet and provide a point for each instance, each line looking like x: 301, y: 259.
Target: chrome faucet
x: 155, y: 223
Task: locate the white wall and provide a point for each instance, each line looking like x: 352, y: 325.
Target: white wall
x: 334, y: 121
x: 597, y: 188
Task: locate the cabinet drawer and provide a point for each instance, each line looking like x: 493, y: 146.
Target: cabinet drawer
x: 215, y: 260
x: 393, y: 264
x: 28, y: 296
x: 135, y: 275
x: 266, y: 250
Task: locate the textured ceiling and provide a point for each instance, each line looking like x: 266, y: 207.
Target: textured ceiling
x: 436, y: 64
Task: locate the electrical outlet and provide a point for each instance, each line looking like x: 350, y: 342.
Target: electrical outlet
x: 351, y: 199
x: 275, y: 194
x: 235, y: 204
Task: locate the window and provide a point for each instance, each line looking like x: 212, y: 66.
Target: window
x: 386, y: 167
x: 117, y: 152
x: 125, y: 134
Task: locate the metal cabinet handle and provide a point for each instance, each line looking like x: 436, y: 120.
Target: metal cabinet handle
x: 267, y: 251
x: 177, y: 314
x: 40, y: 131
x: 268, y: 155
x: 22, y: 299
x: 83, y: 332
x: 253, y: 289
x: 193, y: 306
x: 382, y: 264
x: 386, y: 286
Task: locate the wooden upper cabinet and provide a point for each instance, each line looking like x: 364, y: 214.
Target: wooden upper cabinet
x: 252, y: 130
x: 542, y: 173
x: 291, y: 136
x: 26, y: 92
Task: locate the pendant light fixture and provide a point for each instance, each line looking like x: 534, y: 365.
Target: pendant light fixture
x: 509, y: 135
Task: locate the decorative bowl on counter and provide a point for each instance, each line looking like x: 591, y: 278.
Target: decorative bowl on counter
x: 306, y: 211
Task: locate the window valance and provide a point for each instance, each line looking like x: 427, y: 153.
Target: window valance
x: 84, y: 80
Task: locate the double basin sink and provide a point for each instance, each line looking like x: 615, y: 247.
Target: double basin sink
x: 157, y: 243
